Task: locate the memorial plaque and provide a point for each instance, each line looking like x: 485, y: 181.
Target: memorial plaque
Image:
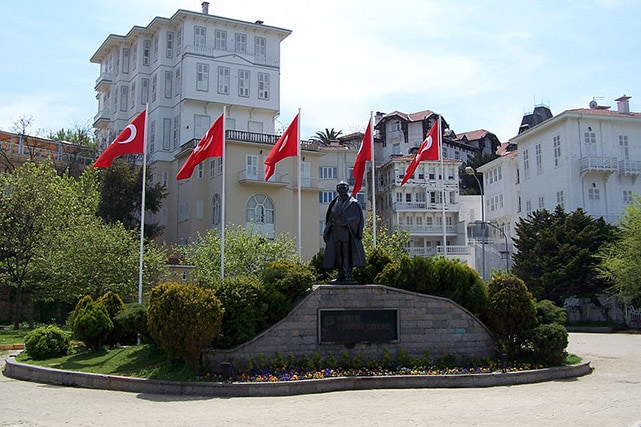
x: 357, y: 325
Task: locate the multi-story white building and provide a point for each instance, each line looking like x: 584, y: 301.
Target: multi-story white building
x: 587, y: 158
x: 187, y: 69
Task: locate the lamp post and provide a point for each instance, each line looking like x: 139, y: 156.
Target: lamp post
x: 471, y: 171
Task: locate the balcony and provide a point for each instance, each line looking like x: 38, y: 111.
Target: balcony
x: 428, y: 230
x: 629, y: 167
x: 420, y: 206
x: 102, y: 119
x: 253, y: 177
x: 307, y: 183
x: 103, y: 82
x: 598, y: 164
x: 452, y: 251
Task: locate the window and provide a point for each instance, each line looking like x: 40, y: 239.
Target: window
x: 251, y: 166
x: 219, y: 165
x: 243, y: 83
x: 125, y: 60
x: 263, y: 86
x: 526, y: 163
x: 199, y: 207
x: 541, y: 202
x: 223, y: 80
x: 557, y: 150
x: 201, y: 170
x: 559, y: 199
x: 179, y: 40
x: 154, y: 87
x: 152, y: 136
x: 166, y: 133
x: 326, y: 196
x: 169, y: 49
x: 201, y: 124
x: 627, y: 196
x: 176, y: 132
x: 528, y: 207
x: 327, y: 172
x: 539, y: 164
x: 623, y: 147
x: 396, y: 148
x: 134, y: 56
x: 241, y: 43
x: 202, y: 77
x: 146, y: 52
x: 169, y: 79
x: 221, y: 39
x: 399, y: 197
x: 165, y: 179
x: 200, y: 37
x: 144, y: 93
x: 594, y: 194
x: 260, y: 48
x: 408, y: 198
x: 260, y: 210
x: 589, y: 140
x: 216, y: 209
x: 178, y: 82
x: 133, y: 95
x: 124, y: 97
x: 155, y: 47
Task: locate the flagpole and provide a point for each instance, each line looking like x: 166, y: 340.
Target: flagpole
x: 223, y: 208
x: 440, y: 155
x: 142, y: 206
x: 373, y: 187
x: 298, y: 150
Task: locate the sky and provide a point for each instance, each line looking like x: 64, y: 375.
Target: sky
x: 481, y: 64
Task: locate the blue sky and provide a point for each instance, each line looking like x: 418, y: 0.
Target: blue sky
x: 481, y: 64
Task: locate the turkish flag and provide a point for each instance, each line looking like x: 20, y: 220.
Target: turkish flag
x: 130, y: 141
x: 286, y: 146
x: 427, y: 151
x: 364, y: 154
x: 210, y: 145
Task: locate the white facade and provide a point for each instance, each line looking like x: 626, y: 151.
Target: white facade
x: 582, y: 158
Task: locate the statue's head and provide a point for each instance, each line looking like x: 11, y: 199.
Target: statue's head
x: 342, y: 188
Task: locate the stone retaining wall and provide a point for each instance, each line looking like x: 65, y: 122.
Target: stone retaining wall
x: 427, y: 325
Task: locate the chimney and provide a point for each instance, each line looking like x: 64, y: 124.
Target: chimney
x: 205, y: 6
x: 623, y: 104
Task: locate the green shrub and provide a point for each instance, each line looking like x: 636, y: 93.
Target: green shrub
x: 377, y: 259
x: 131, y: 322
x: 114, y: 305
x: 284, y: 283
x: 547, y: 312
x: 548, y: 343
x: 46, y: 342
x: 511, y: 311
x: 183, y: 319
x: 91, y: 324
x: 245, y: 310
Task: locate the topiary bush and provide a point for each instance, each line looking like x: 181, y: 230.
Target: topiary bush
x: 548, y: 343
x: 114, y: 305
x: 183, y: 319
x: 511, y: 312
x: 91, y: 324
x: 46, y: 342
x: 245, y: 306
x: 131, y: 323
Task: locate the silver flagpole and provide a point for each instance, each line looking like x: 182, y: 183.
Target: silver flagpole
x: 142, y: 206
x: 224, y: 205
x: 373, y: 188
x: 440, y: 155
x: 298, y: 151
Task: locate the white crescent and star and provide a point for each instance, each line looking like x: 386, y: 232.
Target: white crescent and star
x: 132, y: 134
x: 282, y: 146
x: 200, y: 147
x: 427, y: 146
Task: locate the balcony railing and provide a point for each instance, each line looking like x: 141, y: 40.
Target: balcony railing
x: 606, y: 165
x: 629, y: 167
x: 259, y: 178
x: 452, y: 250
x: 103, y: 81
x: 413, y: 206
x: 428, y: 230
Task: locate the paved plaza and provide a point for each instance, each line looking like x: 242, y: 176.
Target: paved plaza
x: 610, y: 396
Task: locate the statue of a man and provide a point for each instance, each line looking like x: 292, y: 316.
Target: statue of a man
x: 343, y: 233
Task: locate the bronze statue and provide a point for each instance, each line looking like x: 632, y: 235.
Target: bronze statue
x: 343, y: 233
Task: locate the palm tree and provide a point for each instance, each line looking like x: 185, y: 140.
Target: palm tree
x: 327, y: 136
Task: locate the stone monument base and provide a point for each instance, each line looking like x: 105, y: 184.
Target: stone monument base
x: 366, y: 321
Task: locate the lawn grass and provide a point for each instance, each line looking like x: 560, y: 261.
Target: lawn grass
x: 8, y: 335
x: 143, y: 361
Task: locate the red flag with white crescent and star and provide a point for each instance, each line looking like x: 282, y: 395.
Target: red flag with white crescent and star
x: 286, y: 146
x: 427, y: 151
x: 210, y: 145
x: 130, y: 141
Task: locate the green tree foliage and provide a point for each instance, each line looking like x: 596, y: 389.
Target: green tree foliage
x: 246, y: 253
x: 467, y: 183
x: 91, y: 258
x: 327, y: 136
x: 511, y: 312
x: 80, y: 135
x: 183, y: 319
x: 35, y: 206
x: 120, y: 196
x: 131, y: 323
x: 619, y: 260
x: 377, y: 260
x: 556, y: 254
x: 391, y: 243
x: 114, y: 305
x: 284, y: 283
x: 91, y: 323
x: 46, y: 342
x: 440, y: 277
x: 548, y: 343
x: 547, y: 312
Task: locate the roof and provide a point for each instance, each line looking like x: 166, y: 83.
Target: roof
x: 472, y: 135
x: 601, y: 112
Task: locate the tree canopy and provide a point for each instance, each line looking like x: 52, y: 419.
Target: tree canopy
x: 327, y: 136
x: 556, y: 254
x: 620, y: 259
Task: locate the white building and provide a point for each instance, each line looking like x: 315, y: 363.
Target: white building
x: 587, y: 158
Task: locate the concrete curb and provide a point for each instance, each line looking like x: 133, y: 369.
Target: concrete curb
x: 39, y: 374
